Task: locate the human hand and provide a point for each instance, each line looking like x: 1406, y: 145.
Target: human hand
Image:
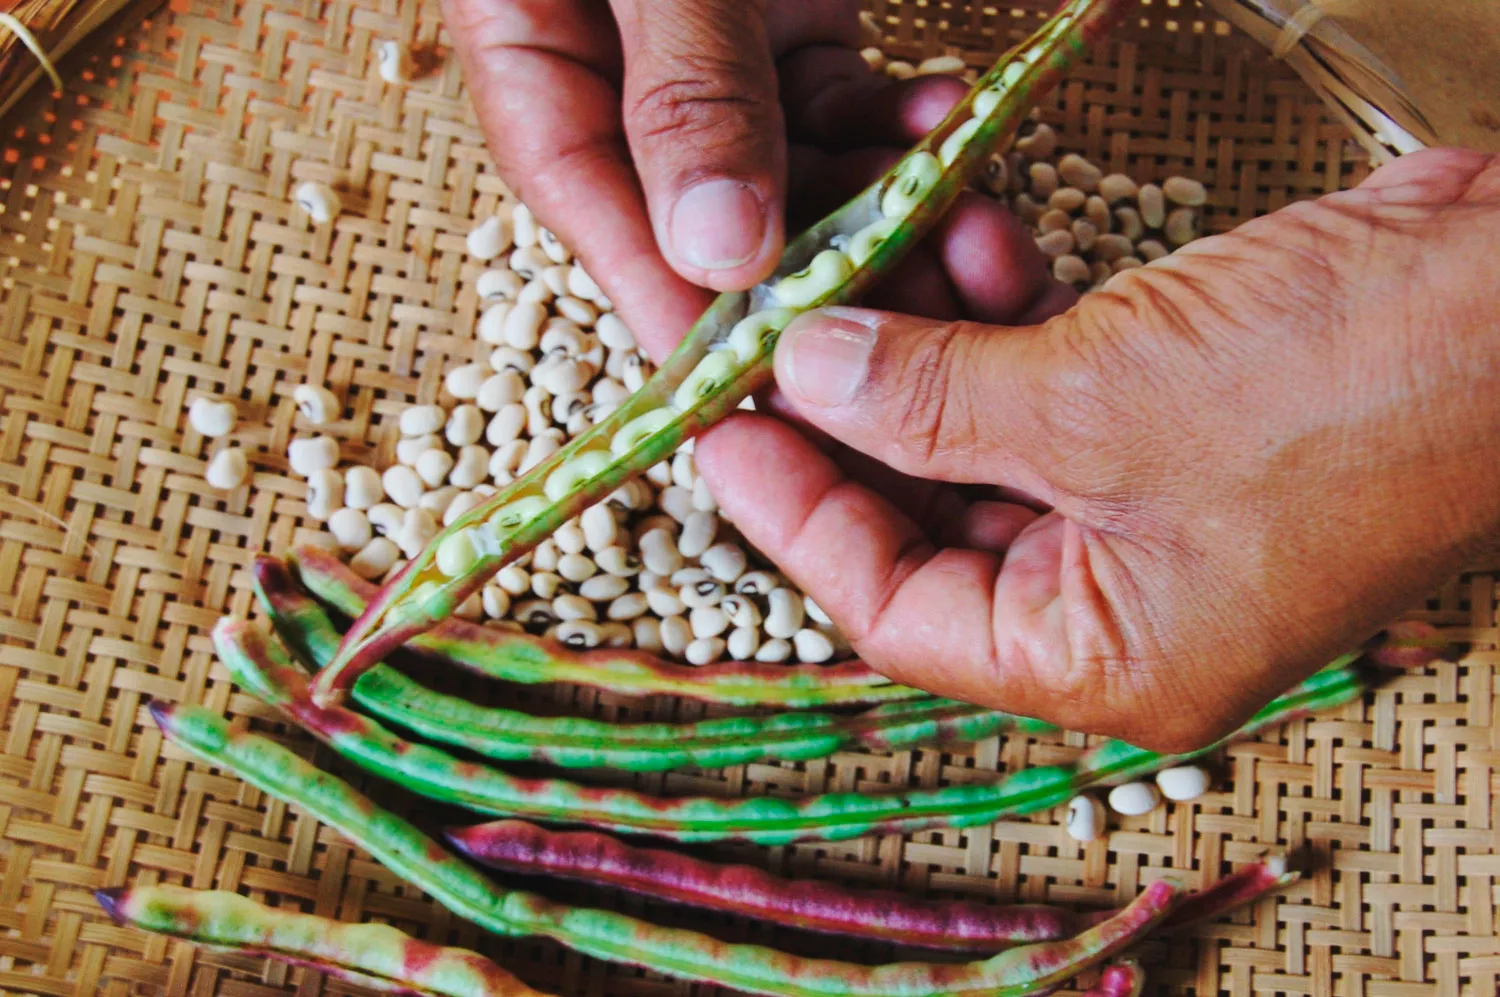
x: 695, y: 127
x: 1218, y: 473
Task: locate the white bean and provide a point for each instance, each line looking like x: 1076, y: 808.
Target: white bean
x: 386, y: 518
x: 704, y: 650
x: 529, y: 262
x: 506, y: 358
x: 463, y: 382
x: 492, y: 321
x: 816, y: 281
x: 422, y: 420
x: 498, y: 284
x: 500, y: 390
x: 471, y: 609
x: 462, y: 503
x: 703, y: 592
x: 1182, y: 782
x: 785, y: 614
x: 708, y: 621
x: 633, y: 372
x: 703, y: 496
x: 774, y: 650
x: 546, y: 584
x: 574, y: 607
x: 580, y: 633
x: 715, y: 370
x: 618, y: 561
x: 603, y: 588
x: 633, y: 432
x: 575, y: 472
x: 416, y: 532
x: 725, y: 561
x: 506, y: 425
x: 814, y: 610
x: 576, y: 310
x: 917, y: 175
x: 862, y: 244
x: 581, y: 285
x: 576, y: 567
x: 495, y: 600
x: 488, y: 239
x: 664, y: 602
x: 676, y: 502
x: 538, y: 450
x: 525, y: 225
x: 1133, y: 799
x: 565, y: 376
x: 563, y: 335
x: 675, y: 635
x: 317, y: 404
x: 505, y: 461
x: 743, y: 643
x: 433, y: 466
x: 697, y: 533
x: 325, y: 493
x: 512, y: 516
x: 599, y: 527
x: 523, y: 325
x: 375, y: 558
x: 756, y: 583
x: 954, y: 144
x: 538, y: 415
x: 514, y: 579
x: 309, y: 454
x: 535, y: 613
x: 614, y: 333
x: 403, y: 485
x: 646, y: 633
x: 362, y: 487
x: 320, y: 201
x: 751, y: 334
x: 227, y: 470
x: 456, y: 554
x: 812, y: 645
x: 471, y: 467
x: 741, y: 610
x: 1085, y: 818
x: 1185, y: 191
x: 535, y: 292
x: 659, y: 552
x: 556, y: 278
x: 691, y: 575
x: 465, y: 425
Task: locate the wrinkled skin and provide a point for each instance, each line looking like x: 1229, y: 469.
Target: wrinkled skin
x: 1143, y: 515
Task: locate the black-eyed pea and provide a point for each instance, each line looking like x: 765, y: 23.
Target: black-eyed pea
x: 704, y: 651
x: 1079, y: 172
x: 1153, y: 205
x: 432, y: 466
x: 812, y: 646
x: 375, y: 558
x: 325, y: 493
x: 916, y: 175
x: 785, y: 613
x: 227, y: 470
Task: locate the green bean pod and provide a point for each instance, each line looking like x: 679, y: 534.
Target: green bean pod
x: 264, y: 668
x: 575, y: 742
x: 409, y: 853
x: 527, y: 660
x: 377, y: 956
x: 726, y: 355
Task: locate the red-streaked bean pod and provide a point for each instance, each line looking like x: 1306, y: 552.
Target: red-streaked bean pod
x: 576, y: 742
x: 527, y: 660
x: 586, y: 856
x: 264, y: 668
x: 406, y: 851
x: 705, y: 378
x: 373, y: 955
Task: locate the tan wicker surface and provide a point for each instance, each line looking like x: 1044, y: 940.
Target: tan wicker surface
x: 148, y: 250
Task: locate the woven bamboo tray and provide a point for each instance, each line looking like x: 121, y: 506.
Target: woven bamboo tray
x: 147, y: 248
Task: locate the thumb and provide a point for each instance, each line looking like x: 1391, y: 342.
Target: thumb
x: 950, y: 401
x: 705, y: 128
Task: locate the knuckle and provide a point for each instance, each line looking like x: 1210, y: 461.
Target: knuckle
x: 704, y: 99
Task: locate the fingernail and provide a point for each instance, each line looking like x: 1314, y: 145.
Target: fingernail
x: 717, y: 224
x: 829, y: 356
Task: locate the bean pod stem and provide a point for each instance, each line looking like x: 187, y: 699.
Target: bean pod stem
x: 527, y: 660
x: 377, y: 956
x: 717, y: 364
x: 406, y: 851
x: 264, y: 668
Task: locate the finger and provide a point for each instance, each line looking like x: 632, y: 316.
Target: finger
x: 1023, y: 633
x: 955, y: 401
x: 705, y: 126
x: 993, y: 263
x: 834, y: 101
x: 553, y: 125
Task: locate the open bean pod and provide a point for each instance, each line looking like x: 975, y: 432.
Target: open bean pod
x: 727, y: 353
x: 406, y: 851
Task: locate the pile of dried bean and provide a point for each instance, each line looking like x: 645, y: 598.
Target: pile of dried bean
x: 546, y: 527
